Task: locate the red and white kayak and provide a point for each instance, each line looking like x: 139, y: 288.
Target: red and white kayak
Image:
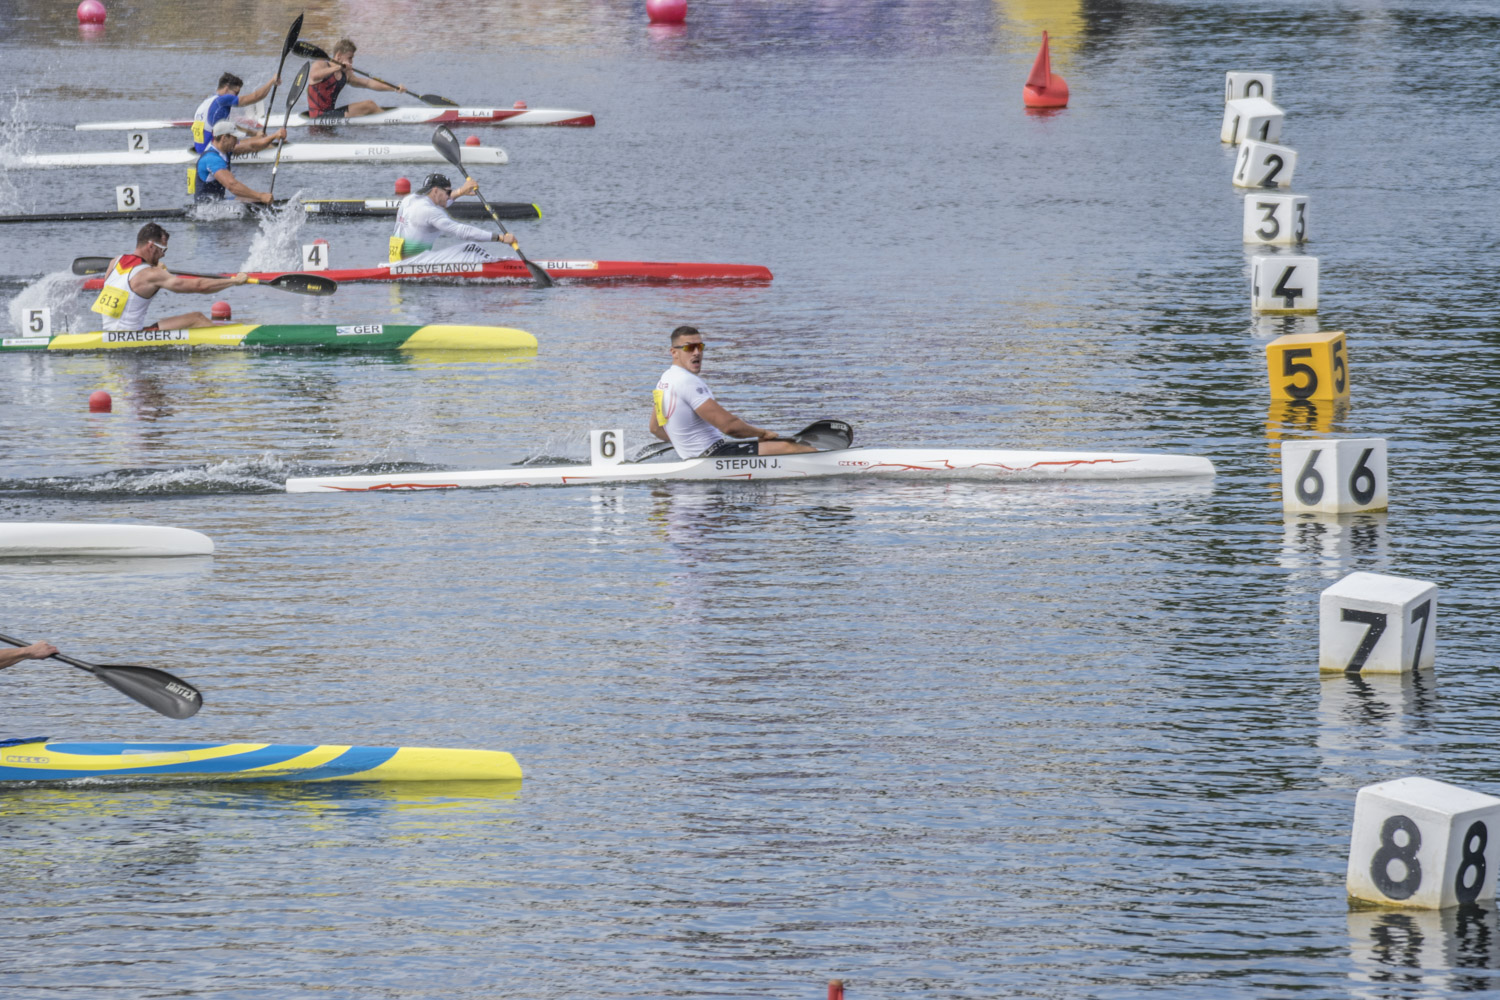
x: 385, y: 116
x: 511, y: 269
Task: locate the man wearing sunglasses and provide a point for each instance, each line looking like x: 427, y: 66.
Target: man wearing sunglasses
x: 133, y: 279
x: 214, y: 180
x: 687, y: 414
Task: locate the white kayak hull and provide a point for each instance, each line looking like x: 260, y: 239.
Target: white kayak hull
x: 305, y: 152
x: 386, y: 116
x: 903, y: 463
x: 21, y: 540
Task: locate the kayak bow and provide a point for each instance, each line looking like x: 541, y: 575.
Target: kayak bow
x: 40, y: 759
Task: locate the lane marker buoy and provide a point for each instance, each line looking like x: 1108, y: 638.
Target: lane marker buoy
x: 1044, y: 88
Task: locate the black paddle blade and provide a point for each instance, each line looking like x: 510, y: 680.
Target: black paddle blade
x: 435, y: 100
x: 304, y: 284
x: 447, y: 146
x: 291, y: 37
x: 156, y: 689
x: 826, y: 435
x: 91, y: 265
x: 307, y: 50
x: 542, y: 278
x: 299, y: 82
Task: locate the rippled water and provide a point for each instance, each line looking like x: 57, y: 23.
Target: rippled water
x: 953, y: 740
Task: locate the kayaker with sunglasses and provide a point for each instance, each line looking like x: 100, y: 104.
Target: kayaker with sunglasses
x: 133, y: 279
x: 686, y: 413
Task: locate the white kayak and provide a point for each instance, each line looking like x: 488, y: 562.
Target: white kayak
x: 294, y: 152
x: 903, y: 463
x: 56, y: 538
x: 385, y: 116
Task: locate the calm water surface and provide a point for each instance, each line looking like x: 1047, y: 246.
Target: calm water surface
x: 959, y: 740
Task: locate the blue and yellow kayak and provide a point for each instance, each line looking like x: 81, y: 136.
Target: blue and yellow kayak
x: 40, y: 759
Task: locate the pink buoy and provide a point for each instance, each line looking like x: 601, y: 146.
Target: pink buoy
x: 666, y: 11
x: 1044, y: 88
x: 520, y: 105
x: 220, y: 311
x: 99, y: 402
x: 91, y: 12
x: 472, y: 140
x: 403, y: 185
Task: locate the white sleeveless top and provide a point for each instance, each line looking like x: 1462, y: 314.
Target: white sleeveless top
x: 134, y: 316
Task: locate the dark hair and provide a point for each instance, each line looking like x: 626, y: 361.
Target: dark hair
x: 230, y: 80
x: 151, y: 233
x: 684, y: 331
x: 344, y: 45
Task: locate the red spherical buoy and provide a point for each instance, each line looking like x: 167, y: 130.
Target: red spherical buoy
x: 99, y: 402
x: 91, y: 12
x: 666, y: 11
x: 472, y: 140
x: 1044, y: 88
x: 520, y: 105
x: 220, y: 311
x: 321, y: 240
x: 403, y: 186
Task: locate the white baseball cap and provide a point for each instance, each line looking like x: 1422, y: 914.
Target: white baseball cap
x: 223, y: 127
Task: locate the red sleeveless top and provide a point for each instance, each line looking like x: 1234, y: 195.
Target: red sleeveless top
x: 323, y: 96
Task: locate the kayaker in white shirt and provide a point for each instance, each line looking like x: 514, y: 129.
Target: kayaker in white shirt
x: 133, y: 279
x: 686, y: 413
x: 422, y: 217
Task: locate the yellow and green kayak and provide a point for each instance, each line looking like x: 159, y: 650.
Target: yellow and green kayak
x: 40, y: 759
x: 323, y: 336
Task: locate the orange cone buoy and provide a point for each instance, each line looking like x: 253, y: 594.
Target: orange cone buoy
x: 1044, y: 88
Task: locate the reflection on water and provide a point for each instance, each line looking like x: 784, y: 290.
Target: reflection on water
x: 1434, y: 952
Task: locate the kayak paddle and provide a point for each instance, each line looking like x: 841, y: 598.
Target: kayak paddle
x: 823, y: 435
x: 292, y: 96
x: 444, y: 142
x: 291, y: 39
x: 156, y: 689
x: 298, y: 282
x: 310, y: 51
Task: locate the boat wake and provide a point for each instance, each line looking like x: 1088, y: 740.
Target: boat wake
x: 57, y: 291
x: 262, y: 474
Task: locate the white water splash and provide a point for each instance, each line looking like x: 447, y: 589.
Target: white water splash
x: 17, y: 139
x: 57, y: 291
x: 276, y: 246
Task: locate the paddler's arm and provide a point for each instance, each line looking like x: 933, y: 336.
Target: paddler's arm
x: 363, y: 81
x: 10, y: 656
x: 727, y: 422
x: 322, y: 70
x: 240, y: 191
x: 162, y: 279
x: 470, y: 186
x: 260, y: 92
x: 259, y: 142
x: 656, y: 429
